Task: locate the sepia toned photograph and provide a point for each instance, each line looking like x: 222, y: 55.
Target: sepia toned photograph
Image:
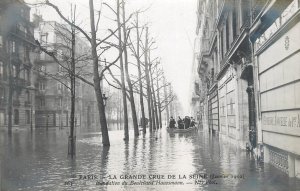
x: 124, y: 95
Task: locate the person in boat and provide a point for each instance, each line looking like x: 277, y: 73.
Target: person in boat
x: 180, y: 123
x: 142, y: 122
x: 172, y: 123
x: 187, y: 122
x: 193, y: 122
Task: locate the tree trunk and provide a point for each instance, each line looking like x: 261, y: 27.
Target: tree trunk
x: 166, y: 101
x: 126, y: 133
x: 158, y: 101
x: 72, y: 138
x: 132, y: 104
x: 140, y: 75
x: 171, y: 105
x: 154, y: 105
x: 98, y: 91
x: 148, y: 81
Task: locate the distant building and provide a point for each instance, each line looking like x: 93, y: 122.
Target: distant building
x: 53, y: 97
x: 248, y: 68
x: 195, y: 86
x: 17, y: 52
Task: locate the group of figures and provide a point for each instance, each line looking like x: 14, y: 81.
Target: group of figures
x: 185, y: 123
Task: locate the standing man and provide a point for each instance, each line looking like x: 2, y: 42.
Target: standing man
x: 172, y: 123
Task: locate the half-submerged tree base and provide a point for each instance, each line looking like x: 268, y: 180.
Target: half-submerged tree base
x: 72, y: 146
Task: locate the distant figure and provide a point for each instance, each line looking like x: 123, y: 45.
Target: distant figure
x: 187, y: 122
x: 172, y: 123
x: 145, y: 121
x: 193, y: 122
x: 180, y: 123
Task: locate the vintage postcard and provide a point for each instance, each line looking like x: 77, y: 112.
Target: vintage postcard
x: 149, y: 95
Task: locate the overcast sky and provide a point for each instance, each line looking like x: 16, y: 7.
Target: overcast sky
x: 171, y: 23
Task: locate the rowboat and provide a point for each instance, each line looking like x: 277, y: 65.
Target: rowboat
x: 181, y: 130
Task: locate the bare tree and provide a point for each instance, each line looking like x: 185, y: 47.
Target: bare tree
x: 133, y: 109
x: 126, y: 133
x: 97, y: 72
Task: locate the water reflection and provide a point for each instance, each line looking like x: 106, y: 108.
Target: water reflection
x: 37, y: 160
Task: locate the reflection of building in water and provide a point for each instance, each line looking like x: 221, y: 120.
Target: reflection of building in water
x: 249, y: 76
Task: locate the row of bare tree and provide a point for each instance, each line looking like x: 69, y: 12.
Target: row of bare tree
x: 149, y: 83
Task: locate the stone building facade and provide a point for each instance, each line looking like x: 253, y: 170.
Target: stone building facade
x: 53, y: 96
x: 17, y: 55
x: 276, y: 44
x: 248, y: 67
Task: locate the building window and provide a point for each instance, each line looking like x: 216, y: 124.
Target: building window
x: 42, y: 102
x: 28, y: 96
x: 27, y: 75
x: 2, y: 118
x: 2, y: 95
x: 227, y: 36
x: 1, y: 41
x: 230, y: 107
x: 14, y: 71
x: 44, y: 39
x: 15, y: 96
x: 27, y: 116
x: 16, y: 117
x: 234, y: 20
x: 1, y: 69
x: 59, y: 87
x: 41, y: 85
x: 13, y: 46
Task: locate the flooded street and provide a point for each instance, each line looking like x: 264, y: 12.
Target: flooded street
x: 38, y: 160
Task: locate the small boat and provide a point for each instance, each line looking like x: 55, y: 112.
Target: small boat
x: 175, y: 130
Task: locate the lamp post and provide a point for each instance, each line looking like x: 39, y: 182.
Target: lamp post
x: 104, y: 101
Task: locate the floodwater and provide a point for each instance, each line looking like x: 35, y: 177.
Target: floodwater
x: 37, y: 160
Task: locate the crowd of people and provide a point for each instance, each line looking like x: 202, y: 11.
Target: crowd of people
x: 185, y: 123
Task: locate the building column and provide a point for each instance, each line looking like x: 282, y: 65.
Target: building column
x: 266, y: 154
x: 291, y: 165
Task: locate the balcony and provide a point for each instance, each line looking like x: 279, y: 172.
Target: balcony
x: 45, y: 57
x: 15, y: 57
x: 20, y: 82
x: 205, y: 44
x: 16, y: 103
x: 246, y: 23
x: 25, y: 36
x: 3, y: 103
x: 40, y: 93
x: 257, y: 7
x: 223, y: 62
x: 27, y: 103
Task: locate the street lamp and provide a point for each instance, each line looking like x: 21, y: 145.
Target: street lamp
x: 104, y: 99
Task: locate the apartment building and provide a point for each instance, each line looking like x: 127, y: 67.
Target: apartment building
x: 248, y: 67
x: 17, y: 55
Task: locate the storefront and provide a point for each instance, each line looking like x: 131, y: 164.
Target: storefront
x: 227, y: 97
x: 213, y: 110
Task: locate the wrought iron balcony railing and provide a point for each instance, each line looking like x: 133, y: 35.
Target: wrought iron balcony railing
x: 27, y: 103
x: 257, y: 7
x: 16, y: 103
